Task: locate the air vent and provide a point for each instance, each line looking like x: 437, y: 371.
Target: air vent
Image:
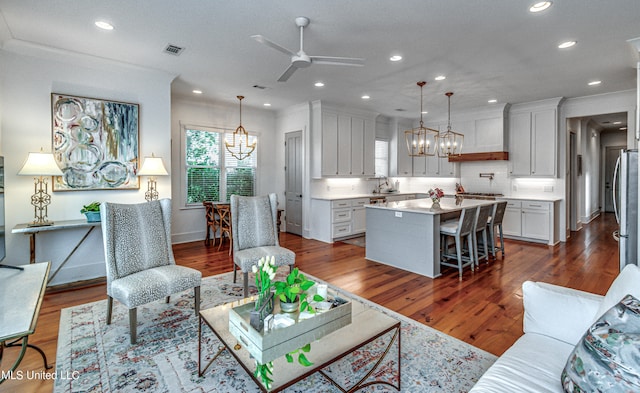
x: 259, y: 87
x: 173, y: 50
x: 401, y: 110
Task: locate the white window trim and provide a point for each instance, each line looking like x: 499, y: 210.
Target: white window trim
x: 183, y: 167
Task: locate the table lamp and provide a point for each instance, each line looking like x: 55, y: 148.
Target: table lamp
x: 40, y: 164
x: 152, y: 167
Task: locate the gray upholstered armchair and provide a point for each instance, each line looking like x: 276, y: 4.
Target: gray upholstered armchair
x: 140, y: 264
x: 255, y: 234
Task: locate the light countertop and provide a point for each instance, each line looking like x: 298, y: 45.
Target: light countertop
x: 425, y: 205
x: 371, y: 195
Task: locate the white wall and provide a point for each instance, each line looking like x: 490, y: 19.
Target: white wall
x: 29, y: 75
x: 189, y: 222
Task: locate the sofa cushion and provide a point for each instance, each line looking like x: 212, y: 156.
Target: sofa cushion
x: 607, y: 359
x: 558, y: 312
x: 627, y: 283
x: 533, y: 364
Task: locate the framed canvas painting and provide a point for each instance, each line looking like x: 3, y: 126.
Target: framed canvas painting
x: 95, y: 143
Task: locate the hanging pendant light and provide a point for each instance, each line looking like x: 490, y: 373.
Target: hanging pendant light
x: 450, y: 142
x: 239, y: 146
x: 421, y: 141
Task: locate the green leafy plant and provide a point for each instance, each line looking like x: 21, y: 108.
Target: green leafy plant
x: 302, y: 359
x: 92, y: 207
x: 294, y: 288
x: 264, y: 372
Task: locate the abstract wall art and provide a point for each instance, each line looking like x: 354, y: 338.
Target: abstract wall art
x: 95, y: 143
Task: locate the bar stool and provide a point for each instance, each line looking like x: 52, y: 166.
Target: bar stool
x: 483, y: 215
x: 211, y: 222
x: 459, y: 229
x: 224, y: 223
x: 495, y: 221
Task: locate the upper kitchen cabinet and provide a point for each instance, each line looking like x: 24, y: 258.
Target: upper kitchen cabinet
x: 342, y: 142
x: 533, y: 137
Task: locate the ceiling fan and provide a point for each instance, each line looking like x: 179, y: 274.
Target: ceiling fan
x: 301, y: 59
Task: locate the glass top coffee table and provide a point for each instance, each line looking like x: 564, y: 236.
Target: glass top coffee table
x: 367, y: 325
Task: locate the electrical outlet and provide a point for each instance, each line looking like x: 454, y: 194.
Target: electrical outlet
x: 515, y: 188
x: 328, y: 188
x: 548, y: 188
x: 353, y: 187
x: 398, y: 214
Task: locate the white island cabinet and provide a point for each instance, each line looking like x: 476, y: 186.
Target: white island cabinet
x: 406, y: 234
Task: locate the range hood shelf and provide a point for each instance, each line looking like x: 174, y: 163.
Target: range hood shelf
x: 489, y: 156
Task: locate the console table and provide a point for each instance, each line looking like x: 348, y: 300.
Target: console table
x: 21, y: 294
x: 58, y: 225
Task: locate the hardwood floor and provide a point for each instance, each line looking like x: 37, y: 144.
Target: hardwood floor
x: 484, y: 309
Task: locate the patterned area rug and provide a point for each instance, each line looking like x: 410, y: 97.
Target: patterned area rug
x: 94, y: 357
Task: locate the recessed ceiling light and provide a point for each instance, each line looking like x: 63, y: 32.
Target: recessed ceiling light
x: 540, y: 6
x: 594, y: 83
x: 424, y: 112
x: 266, y: 104
x: 623, y: 128
x: 365, y: 97
x: 492, y: 101
x: 319, y: 84
x: 617, y: 122
x: 440, y: 77
x: 566, y: 44
x: 104, y: 25
x: 395, y: 58
x: 197, y: 91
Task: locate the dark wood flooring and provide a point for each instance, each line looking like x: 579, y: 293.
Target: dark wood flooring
x: 484, y: 309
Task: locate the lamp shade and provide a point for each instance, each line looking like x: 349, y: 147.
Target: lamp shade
x: 40, y: 164
x: 152, y: 166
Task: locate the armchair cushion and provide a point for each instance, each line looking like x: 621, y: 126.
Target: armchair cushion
x: 558, y: 312
x: 627, y: 283
x: 153, y: 284
x: 255, y: 223
x: 249, y: 257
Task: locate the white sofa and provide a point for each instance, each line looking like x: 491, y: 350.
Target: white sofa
x: 555, y: 319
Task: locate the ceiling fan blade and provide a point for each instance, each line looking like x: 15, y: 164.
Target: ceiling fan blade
x: 267, y: 42
x: 287, y: 73
x: 350, y: 61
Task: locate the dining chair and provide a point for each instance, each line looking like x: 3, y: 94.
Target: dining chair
x: 494, y: 226
x: 211, y: 222
x: 255, y: 235
x: 139, y: 258
x: 460, y: 229
x: 481, y: 249
x: 224, y: 224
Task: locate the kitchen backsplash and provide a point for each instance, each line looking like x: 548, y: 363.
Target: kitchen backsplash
x: 499, y: 182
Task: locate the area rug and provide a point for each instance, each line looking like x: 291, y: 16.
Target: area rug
x: 95, y: 357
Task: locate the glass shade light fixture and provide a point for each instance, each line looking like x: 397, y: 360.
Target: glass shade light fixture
x: 421, y: 141
x: 449, y: 142
x: 40, y: 165
x: 152, y: 167
x: 239, y: 146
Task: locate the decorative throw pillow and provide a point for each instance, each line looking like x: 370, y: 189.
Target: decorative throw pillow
x: 607, y: 359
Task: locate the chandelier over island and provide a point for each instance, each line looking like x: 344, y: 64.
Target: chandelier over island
x: 421, y: 141
x: 449, y: 142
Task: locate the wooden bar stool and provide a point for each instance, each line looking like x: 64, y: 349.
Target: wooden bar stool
x: 483, y: 215
x: 495, y: 223
x: 459, y: 229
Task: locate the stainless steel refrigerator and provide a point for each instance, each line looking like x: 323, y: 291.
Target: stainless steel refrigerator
x: 625, y: 204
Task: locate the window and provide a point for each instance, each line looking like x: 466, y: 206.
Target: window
x: 381, y: 158
x: 212, y: 174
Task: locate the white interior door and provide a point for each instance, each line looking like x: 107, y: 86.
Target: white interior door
x: 293, y: 182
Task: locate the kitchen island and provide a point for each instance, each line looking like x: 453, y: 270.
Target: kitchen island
x: 406, y: 234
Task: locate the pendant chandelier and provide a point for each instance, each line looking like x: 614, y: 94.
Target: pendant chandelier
x: 421, y: 141
x: 450, y: 142
x: 239, y: 146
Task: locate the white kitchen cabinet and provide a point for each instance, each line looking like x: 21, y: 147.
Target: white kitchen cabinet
x: 405, y: 161
x: 340, y: 218
x: 533, y: 139
x: 532, y: 220
x: 359, y: 216
x: 343, y: 142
